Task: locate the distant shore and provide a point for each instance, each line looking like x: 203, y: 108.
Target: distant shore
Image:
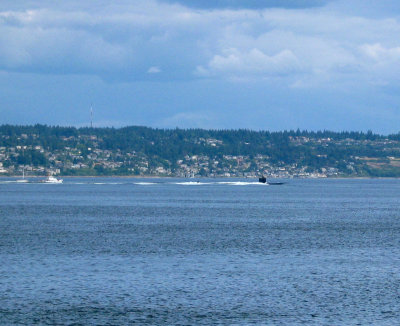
x: 172, y: 177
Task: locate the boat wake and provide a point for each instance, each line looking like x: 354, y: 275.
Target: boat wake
x: 190, y: 183
x: 226, y: 183
x: 242, y: 183
x: 144, y: 183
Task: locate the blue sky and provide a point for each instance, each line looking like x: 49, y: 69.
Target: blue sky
x: 318, y: 64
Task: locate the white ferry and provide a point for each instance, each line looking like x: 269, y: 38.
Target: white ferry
x: 51, y: 179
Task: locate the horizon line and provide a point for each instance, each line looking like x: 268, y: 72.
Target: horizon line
x: 370, y: 132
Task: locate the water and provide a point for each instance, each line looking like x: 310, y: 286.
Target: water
x: 118, y: 251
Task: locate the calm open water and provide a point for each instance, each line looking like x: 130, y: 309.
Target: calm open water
x: 167, y: 252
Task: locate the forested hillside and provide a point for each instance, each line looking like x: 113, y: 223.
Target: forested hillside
x: 196, y: 152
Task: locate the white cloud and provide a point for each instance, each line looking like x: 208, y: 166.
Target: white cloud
x: 154, y: 70
x: 123, y: 40
x: 381, y: 54
x: 381, y: 63
x: 254, y: 62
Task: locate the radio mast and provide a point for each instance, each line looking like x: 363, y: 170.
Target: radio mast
x: 91, y: 116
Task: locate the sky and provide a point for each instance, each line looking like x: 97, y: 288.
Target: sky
x: 222, y: 64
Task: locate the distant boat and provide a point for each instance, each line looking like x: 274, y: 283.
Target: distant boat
x: 23, y: 180
x: 262, y: 179
x: 51, y: 179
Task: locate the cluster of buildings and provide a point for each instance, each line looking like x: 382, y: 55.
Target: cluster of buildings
x: 244, y: 166
x: 83, y: 155
x: 96, y: 161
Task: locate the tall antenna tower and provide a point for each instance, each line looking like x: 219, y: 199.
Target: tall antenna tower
x: 91, y: 116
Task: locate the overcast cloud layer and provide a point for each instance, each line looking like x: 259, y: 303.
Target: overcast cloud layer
x: 212, y: 64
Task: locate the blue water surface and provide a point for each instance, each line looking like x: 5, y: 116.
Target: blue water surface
x: 115, y: 251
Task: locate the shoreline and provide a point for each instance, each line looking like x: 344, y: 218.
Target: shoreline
x: 170, y: 177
